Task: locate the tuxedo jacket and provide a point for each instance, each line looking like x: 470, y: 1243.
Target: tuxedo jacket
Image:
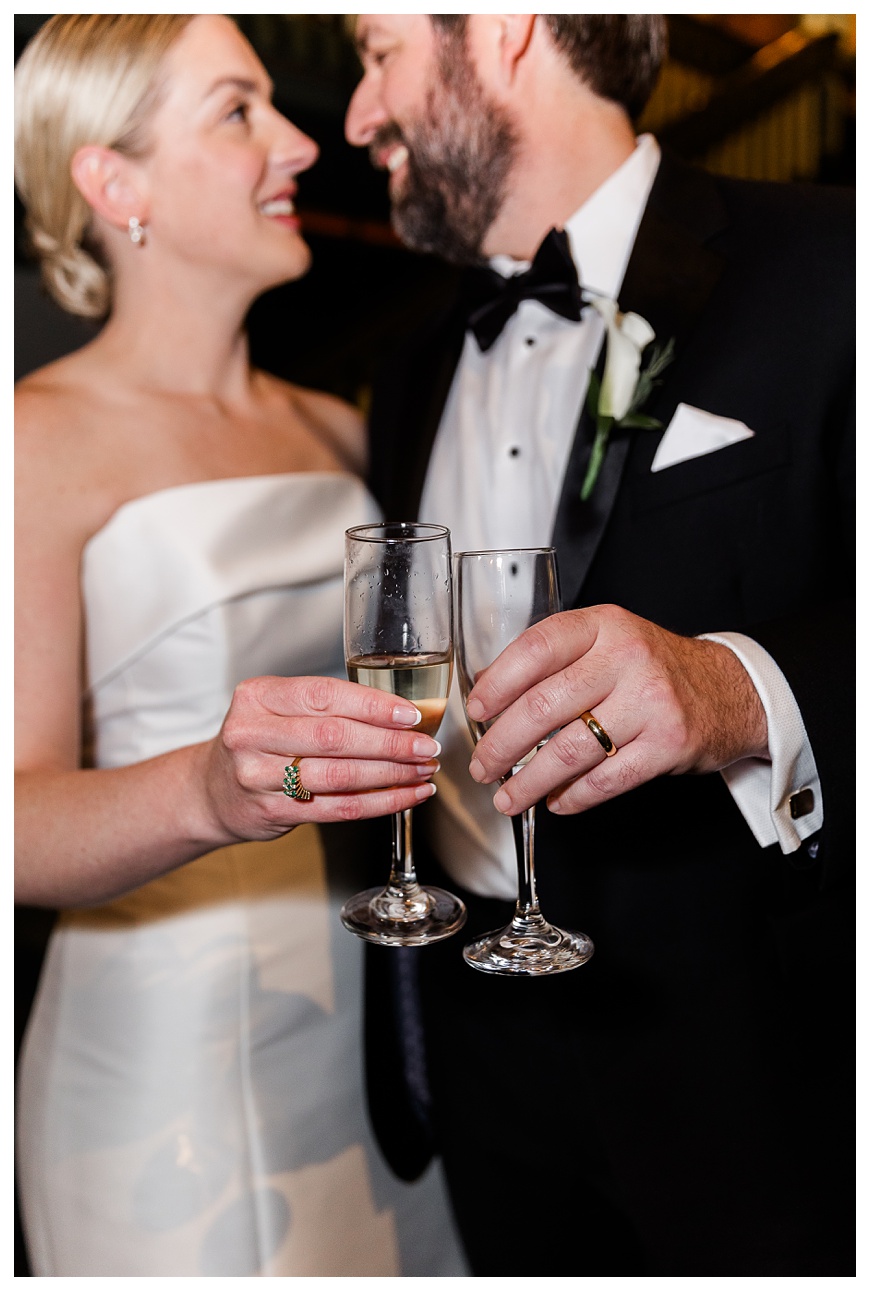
x: 705, y: 942
x: 755, y: 284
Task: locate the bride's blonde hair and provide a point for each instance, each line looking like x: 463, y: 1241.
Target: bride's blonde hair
x: 85, y: 78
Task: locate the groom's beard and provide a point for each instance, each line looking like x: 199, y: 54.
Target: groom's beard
x: 460, y: 154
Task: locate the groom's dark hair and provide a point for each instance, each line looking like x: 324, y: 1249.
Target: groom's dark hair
x: 618, y: 55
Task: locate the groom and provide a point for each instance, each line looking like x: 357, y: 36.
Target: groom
x: 680, y: 1105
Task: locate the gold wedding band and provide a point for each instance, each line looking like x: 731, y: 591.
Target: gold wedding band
x: 293, y: 786
x: 600, y: 734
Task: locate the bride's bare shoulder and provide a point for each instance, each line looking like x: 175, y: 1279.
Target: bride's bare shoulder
x: 65, y: 391
x: 61, y: 468
x: 50, y: 405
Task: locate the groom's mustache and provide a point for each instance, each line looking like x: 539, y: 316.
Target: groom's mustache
x: 386, y: 137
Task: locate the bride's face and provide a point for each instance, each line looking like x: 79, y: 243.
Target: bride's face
x: 221, y: 172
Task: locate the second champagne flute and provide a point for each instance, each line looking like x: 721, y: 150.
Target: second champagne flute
x: 499, y: 594
x: 398, y: 636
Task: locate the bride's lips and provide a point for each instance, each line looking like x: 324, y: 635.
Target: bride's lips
x: 282, y: 209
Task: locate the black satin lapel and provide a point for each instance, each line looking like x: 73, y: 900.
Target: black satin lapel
x: 580, y: 526
x: 668, y: 281
x: 672, y: 272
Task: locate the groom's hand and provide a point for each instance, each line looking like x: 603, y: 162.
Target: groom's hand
x: 670, y: 705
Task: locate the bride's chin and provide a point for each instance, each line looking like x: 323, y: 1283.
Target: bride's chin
x: 299, y: 270
x: 302, y: 261
x: 292, y: 266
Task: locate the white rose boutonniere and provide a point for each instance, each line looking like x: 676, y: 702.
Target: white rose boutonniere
x: 616, y: 400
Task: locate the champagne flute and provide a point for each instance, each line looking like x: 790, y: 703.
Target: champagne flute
x: 398, y: 636
x: 499, y: 594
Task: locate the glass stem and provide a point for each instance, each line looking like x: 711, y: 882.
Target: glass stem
x: 524, y: 837
x: 403, y: 876
x: 402, y: 900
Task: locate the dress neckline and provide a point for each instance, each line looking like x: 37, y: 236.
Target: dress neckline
x: 224, y: 481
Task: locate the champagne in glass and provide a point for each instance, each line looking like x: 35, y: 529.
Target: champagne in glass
x: 398, y: 634
x: 499, y: 594
x: 423, y: 679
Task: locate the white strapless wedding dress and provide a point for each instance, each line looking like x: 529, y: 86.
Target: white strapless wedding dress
x: 190, y: 1090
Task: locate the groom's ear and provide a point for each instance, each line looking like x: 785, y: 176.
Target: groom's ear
x: 499, y: 42
x: 515, y: 38
x: 110, y: 184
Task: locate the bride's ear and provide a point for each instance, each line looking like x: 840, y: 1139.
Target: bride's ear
x: 109, y: 184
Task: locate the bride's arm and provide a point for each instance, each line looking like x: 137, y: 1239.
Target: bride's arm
x: 84, y: 836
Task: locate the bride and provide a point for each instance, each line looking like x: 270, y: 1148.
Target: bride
x: 190, y: 1087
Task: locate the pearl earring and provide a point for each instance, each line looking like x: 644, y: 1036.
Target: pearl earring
x: 137, y: 231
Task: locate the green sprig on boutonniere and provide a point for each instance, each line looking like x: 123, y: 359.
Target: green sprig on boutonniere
x: 617, y: 398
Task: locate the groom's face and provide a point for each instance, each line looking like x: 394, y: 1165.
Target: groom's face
x: 426, y: 118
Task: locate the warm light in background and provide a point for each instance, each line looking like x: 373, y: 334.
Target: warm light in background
x: 761, y: 28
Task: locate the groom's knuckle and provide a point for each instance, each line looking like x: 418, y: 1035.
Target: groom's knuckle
x: 569, y: 748
x: 539, y: 643
x: 540, y: 704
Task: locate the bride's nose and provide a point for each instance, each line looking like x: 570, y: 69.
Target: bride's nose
x: 291, y: 148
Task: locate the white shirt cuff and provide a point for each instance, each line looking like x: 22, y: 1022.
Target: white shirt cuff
x: 763, y: 790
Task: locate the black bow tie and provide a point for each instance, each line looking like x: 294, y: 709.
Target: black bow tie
x: 551, y: 278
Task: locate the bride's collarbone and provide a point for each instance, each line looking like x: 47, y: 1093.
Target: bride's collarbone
x: 176, y: 460
x: 111, y: 444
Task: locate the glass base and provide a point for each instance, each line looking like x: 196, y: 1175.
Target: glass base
x: 385, y: 916
x: 528, y: 947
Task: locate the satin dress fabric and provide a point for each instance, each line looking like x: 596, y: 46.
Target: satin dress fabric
x: 190, y: 1092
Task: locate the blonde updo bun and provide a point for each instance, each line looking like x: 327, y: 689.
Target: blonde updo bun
x: 85, y: 78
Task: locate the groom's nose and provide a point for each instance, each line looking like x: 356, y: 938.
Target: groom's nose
x: 365, y: 115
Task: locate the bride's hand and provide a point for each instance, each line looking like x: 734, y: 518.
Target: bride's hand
x: 360, y: 756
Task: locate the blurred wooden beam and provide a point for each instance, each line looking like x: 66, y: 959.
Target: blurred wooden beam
x: 770, y: 75
x: 329, y: 225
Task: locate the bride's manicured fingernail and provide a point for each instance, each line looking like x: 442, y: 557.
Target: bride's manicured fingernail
x: 426, y: 791
x: 426, y: 747
x: 407, y: 716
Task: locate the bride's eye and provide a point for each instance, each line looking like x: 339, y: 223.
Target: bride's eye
x: 239, y: 112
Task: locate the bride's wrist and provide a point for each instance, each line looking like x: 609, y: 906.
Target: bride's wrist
x: 204, y: 819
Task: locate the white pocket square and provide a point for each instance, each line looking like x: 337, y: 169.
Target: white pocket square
x: 693, y: 432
